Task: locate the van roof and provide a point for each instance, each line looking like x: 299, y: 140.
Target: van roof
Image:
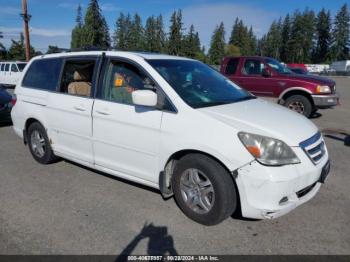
x: 144, y: 55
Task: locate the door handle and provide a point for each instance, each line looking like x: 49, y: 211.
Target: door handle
x: 102, y: 112
x: 79, y: 108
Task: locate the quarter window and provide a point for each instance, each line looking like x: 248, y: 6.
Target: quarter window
x: 43, y: 74
x: 121, y: 79
x: 253, y: 67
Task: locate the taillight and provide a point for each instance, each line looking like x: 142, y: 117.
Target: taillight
x: 13, y: 101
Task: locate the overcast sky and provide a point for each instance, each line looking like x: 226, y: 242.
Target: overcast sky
x: 53, y: 20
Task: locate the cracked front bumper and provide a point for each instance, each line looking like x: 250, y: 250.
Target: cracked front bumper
x: 269, y: 192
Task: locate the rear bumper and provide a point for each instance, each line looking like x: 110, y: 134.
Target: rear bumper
x: 324, y: 101
x: 271, y: 192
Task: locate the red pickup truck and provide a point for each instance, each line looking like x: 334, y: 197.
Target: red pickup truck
x: 266, y: 77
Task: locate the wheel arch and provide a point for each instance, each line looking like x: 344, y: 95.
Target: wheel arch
x: 295, y: 91
x: 27, y: 123
x: 167, y: 173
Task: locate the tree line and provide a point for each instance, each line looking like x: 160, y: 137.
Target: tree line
x: 300, y: 37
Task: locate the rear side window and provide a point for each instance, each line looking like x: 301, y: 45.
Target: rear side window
x: 3, y: 67
x: 7, y: 67
x: 232, y: 66
x: 43, y: 74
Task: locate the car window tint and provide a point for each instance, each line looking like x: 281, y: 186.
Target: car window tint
x: 43, y: 74
x: 253, y: 67
x: 121, y: 79
x: 7, y: 67
x: 232, y: 66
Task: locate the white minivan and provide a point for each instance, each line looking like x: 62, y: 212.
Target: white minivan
x: 10, y: 72
x: 173, y: 124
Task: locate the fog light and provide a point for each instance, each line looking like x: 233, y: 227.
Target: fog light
x: 283, y: 200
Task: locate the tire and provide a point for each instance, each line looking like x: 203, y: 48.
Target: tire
x: 37, y: 138
x: 300, y: 104
x: 206, y: 204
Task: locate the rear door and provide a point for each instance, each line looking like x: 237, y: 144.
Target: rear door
x: 126, y: 137
x: 69, y: 109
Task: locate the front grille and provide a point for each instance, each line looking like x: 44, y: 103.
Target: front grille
x: 314, y: 147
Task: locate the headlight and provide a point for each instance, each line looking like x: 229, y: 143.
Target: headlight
x: 268, y: 151
x: 323, y: 89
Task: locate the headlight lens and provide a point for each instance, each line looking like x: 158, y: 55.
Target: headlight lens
x: 268, y: 151
x: 323, y: 89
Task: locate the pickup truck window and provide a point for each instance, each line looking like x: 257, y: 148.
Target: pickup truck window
x: 198, y: 84
x: 232, y: 65
x: 253, y: 67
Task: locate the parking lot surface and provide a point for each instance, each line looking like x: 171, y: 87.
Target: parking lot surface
x: 67, y: 209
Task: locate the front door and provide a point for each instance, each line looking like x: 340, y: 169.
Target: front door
x: 126, y: 137
x: 252, y: 79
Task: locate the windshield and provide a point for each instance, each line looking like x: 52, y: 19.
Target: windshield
x: 277, y: 66
x: 198, y: 84
x: 21, y: 66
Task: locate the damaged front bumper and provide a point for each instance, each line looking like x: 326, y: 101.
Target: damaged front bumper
x: 269, y: 192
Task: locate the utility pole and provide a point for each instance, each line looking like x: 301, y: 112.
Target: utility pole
x: 26, y: 19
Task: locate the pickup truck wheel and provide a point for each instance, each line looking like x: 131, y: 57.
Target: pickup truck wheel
x: 203, y: 189
x: 299, y: 104
x: 39, y: 144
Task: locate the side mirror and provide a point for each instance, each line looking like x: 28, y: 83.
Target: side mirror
x: 266, y: 72
x: 144, y: 98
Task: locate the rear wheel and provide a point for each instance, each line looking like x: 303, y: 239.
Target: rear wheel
x: 204, y: 190
x: 299, y: 104
x: 39, y: 144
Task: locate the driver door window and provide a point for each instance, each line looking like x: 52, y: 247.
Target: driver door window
x: 121, y: 79
x: 253, y: 67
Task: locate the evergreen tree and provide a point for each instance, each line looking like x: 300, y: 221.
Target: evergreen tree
x: 175, y: 35
x: 151, y: 44
x: 285, y: 35
x: 242, y: 38
x: 95, y: 30
x: 252, y: 42
x: 273, y: 41
x: 136, y: 35
x: 122, y: 36
x: 160, y: 34
x: 191, y: 45
x: 295, y: 43
x: 217, y: 45
x: 323, y: 33
x: 76, y: 41
x: 341, y: 34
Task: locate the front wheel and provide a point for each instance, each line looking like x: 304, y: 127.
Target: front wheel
x: 204, y: 190
x: 39, y: 144
x: 299, y: 104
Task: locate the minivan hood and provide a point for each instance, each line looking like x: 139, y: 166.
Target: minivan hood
x: 314, y: 79
x: 264, y: 118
